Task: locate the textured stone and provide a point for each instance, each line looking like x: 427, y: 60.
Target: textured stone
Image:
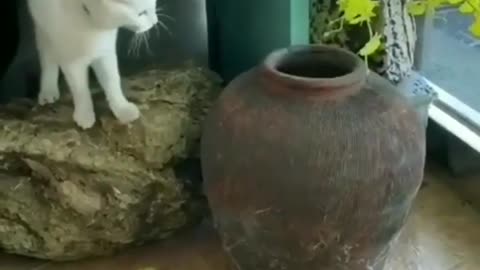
x: 66, y: 193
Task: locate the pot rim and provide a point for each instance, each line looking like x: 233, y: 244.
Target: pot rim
x: 353, y: 80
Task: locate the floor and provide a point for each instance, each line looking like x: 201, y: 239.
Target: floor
x: 442, y: 234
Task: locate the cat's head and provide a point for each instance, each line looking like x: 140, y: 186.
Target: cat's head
x: 136, y: 15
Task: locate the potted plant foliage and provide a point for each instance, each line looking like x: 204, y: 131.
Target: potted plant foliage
x: 384, y: 34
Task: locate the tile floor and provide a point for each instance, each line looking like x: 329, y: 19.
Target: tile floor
x: 442, y: 234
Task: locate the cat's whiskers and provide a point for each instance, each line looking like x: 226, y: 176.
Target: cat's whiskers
x: 163, y: 15
x: 146, y: 38
x: 162, y: 24
x: 135, y: 44
x: 157, y: 30
x: 132, y: 45
x: 141, y: 39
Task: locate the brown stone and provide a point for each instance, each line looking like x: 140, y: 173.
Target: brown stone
x: 66, y: 193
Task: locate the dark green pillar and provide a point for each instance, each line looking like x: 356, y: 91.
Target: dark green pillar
x: 242, y: 32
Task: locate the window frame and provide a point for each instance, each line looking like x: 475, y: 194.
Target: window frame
x: 451, y: 113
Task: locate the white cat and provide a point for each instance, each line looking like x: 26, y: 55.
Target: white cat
x: 72, y: 35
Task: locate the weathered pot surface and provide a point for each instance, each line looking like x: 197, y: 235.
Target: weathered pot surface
x: 307, y: 166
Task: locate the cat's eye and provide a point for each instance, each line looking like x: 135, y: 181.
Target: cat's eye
x: 142, y: 13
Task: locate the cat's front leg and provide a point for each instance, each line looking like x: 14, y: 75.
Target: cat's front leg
x: 106, y: 70
x: 76, y: 76
x: 50, y: 71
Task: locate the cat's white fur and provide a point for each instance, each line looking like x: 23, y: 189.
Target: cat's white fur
x: 73, y: 35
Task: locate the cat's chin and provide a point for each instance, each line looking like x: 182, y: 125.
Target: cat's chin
x: 132, y: 28
x: 136, y: 29
x: 141, y: 31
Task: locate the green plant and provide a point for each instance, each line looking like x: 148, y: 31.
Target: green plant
x: 469, y: 7
x: 361, y: 12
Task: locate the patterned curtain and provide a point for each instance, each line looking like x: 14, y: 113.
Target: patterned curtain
x: 397, y: 26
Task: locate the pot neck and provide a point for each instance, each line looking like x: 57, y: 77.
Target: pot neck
x: 314, y: 70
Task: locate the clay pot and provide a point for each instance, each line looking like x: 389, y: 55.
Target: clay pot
x: 309, y: 165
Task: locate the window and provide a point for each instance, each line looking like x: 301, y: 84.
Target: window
x: 450, y: 61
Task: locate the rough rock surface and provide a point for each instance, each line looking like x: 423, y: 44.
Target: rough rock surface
x: 66, y: 193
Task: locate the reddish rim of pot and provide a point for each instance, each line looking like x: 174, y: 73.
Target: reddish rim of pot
x: 315, y: 69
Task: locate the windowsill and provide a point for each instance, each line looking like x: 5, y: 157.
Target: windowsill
x: 456, y: 117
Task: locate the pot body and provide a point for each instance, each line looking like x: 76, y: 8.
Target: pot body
x: 304, y: 173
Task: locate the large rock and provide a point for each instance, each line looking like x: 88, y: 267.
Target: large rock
x: 66, y: 193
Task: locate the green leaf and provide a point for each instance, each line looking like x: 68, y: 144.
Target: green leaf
x: 475, y: 28
x: 417, y: 8
x: 433, y: 5
x: 371, y: 46
x: 455, y: 2
x: 467, y: 6
x: 357, y: 11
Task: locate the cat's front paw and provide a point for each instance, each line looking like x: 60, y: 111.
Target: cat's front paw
x: 48, y: 96
x: 126, y: 113
x: 84, y: 118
